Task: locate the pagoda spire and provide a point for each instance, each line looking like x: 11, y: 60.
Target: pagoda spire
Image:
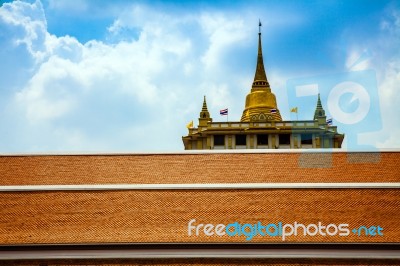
x: 260, y: 78
x: 260, y: 104
x: 319, y: 114
x: 319, y: 111
x: 204, y: 117
x: 319, y: 104
x: 204, y: 108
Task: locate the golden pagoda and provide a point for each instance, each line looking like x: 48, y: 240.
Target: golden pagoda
x: 261, y: 125
x: 260, y: 101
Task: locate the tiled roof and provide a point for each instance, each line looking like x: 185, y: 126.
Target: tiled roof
x: 160, y: 216
x: 201, y: 168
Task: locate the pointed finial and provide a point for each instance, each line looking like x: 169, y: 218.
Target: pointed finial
x: 319, y: 104
x: 204, y: 108
x: 260, y: 78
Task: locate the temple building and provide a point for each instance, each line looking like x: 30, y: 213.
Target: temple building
x: 261, y: 125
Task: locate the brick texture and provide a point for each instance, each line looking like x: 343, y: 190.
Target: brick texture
x: 200, y: 168
x: 163, y: 216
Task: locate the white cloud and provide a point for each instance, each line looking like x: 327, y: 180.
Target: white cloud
x: 223, y: 33
x: 389, y: 137
x: 391, y: 23
x: 47, y: 95
x: 386, y: 62
x: 119, y: 95
x: 29, y: 23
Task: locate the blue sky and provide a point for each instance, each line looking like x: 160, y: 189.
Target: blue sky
x: 120, y: 76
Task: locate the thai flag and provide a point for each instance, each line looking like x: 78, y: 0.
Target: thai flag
x: 223, y: 111
x: 273, y: 111
x: 329, y: 122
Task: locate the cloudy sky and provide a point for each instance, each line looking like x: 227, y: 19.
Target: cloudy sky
x: 121, y: 76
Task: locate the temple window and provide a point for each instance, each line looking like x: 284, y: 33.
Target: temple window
x: 284, y: 139
x: 262, y: 139
x: 219, y: 140
x: 240, y: 139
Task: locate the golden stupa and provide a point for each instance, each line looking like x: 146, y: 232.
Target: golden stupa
x: 260, y: 102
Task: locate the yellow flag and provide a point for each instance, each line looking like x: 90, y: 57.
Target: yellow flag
x: 190, y: 124
x: 293, y: 110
